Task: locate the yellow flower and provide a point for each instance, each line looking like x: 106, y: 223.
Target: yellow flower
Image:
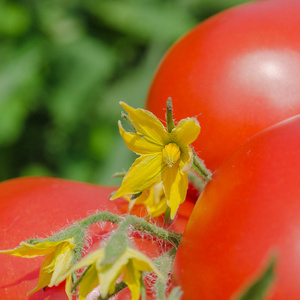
x: 131, y: 263
x: 57, y: 261
x: 153, y: 199
x: 164, y: 156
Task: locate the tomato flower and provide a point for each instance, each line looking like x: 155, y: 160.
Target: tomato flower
x: 58, y: 260
x: 164, y: 156
x: 131, y: 263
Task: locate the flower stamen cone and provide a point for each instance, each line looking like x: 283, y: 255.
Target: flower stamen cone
x: 171, y: 154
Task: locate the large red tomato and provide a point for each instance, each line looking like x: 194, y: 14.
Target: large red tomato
x: 38, y: 206
x: 250, y: 209
x: 238, y: 72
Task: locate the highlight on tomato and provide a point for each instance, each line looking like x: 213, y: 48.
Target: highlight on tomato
x: 247, y: 213
x: 238, y: 72
x: 39, y: 206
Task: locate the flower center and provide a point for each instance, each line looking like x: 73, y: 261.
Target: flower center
x: 171, y: 154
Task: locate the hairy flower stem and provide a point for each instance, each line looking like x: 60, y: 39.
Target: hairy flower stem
x: 165, y: 263
x: 200, y: 168
x: 144, y: 226
x: 136, y: 222
x: 75, y: 231
x: 169, y: 116
x: 99, y: 217
x: 119, y: 241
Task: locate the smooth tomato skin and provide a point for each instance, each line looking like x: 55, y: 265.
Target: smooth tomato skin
x: 38, y: 206
x: 238, y: 72
x: 250, y: 209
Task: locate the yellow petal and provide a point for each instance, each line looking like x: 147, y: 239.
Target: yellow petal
x: 44, y: 277
x: 63, y: 260
x: 88, y: 282
x: 186, y: 159
x: 142, y: 263
x: 157, y: 209
x: 186, y: 131
x: 175, y: 184
x: 138, y: 143
x: 144, y: 172
x: 156, y: 202
x: 68, y: 287
x: 147, y: 125
x: 132, y: 278
x: 108, y: 274
x: 88, y: 260
x: 29, y: 250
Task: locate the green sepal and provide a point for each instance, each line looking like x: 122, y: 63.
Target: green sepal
x: 115, y: 247
x: 176, y: 293
x: 167, y: 216
x: 134, y: 196
x: 143, y: 289
x: 127, y: 119
x: 259, y: 287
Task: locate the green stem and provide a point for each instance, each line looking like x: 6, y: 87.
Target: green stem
x: 169, y: 116
x: 119, y: 241
x: 164, y: 263
x: 99, y: 217
x: 144, y: 226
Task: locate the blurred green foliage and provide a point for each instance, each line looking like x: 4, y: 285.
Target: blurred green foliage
x: 65, y: 65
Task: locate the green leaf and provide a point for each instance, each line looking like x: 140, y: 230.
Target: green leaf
x: 19, y: 84
x: 258, y: 289
x: 14, y: 19
x: 83, y: 66
x: 144, y: 20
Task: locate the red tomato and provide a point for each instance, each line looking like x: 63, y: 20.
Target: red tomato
x: 37, y: 206
x: 238, y: 72
x: 249, y: 209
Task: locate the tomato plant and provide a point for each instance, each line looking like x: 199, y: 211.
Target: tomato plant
x: 238, y: 72
x: 250, y: 209
x: 38, y: 206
